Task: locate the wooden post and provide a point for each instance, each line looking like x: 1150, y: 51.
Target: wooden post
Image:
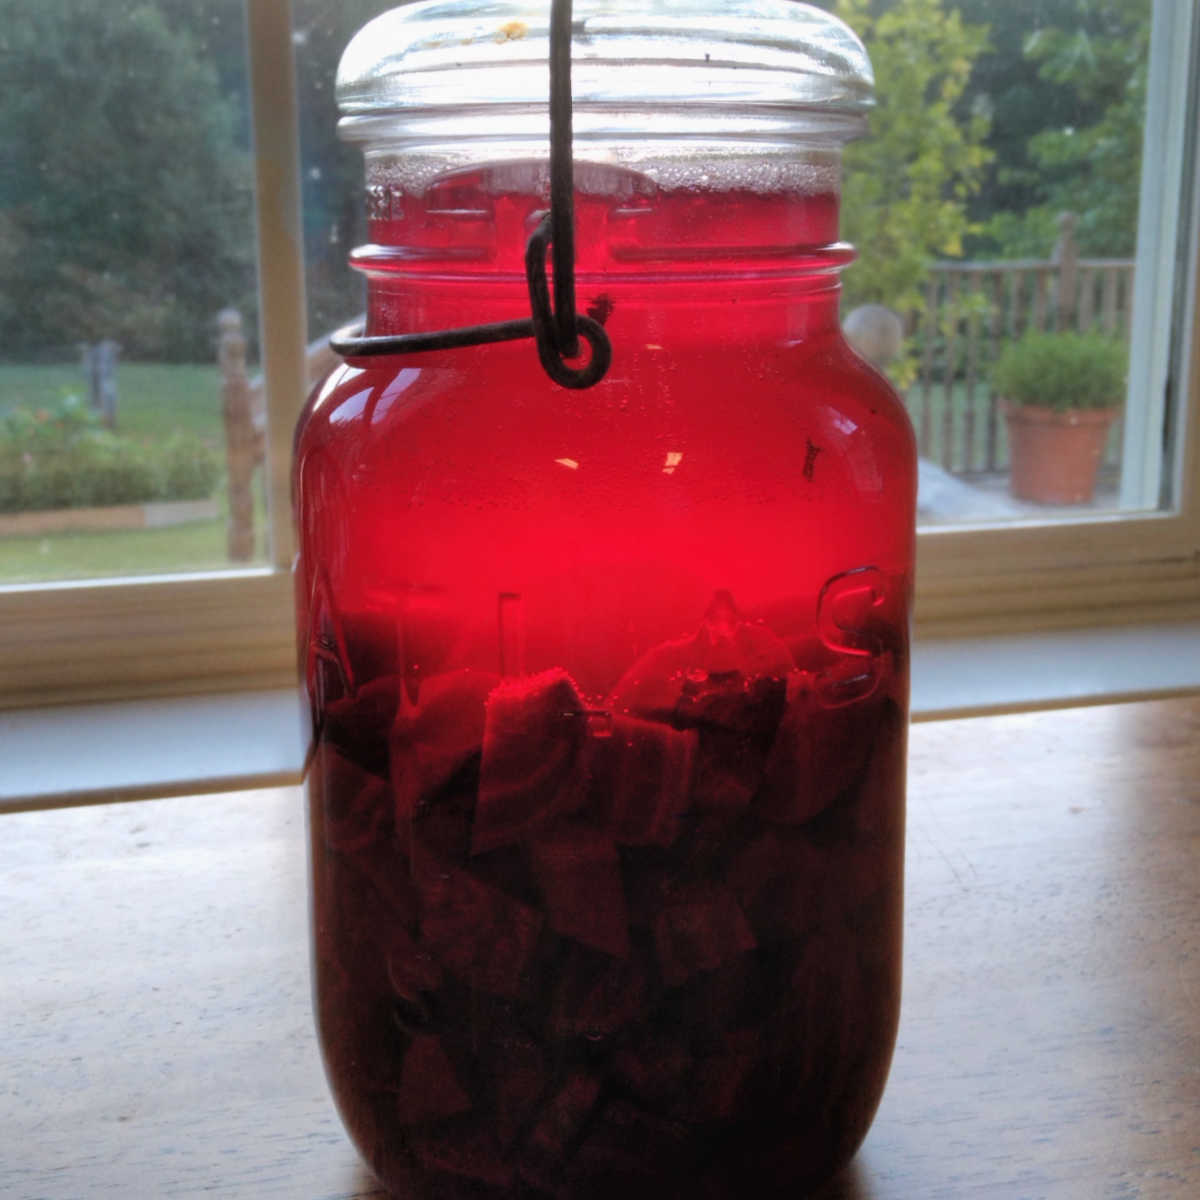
x: 107, y: 353
x: 926, y: 433
x: 240, y: 436
x: 1065, y: 257
x: 975, y: 296
x: 951, y: 351
x: 99, y: 362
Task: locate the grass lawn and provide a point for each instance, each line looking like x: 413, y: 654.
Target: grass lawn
x: 153, y: 400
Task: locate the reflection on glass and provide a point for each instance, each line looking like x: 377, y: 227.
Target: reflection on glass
x: 126, y: 227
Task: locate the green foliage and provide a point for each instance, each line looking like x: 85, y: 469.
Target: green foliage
x: 1095, y: 170
x: 908, y: 183
x: 188, y: 468
x: 1062, y: 371
x: 1066, y: 82
x: 59, y: 457
x: 125, y: 198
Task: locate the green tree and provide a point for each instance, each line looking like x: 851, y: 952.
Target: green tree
x: 334, y: 208
x: 1095, y: 170
x: 909, y: 182
x: 125, y: 199
x: 1065, y: 82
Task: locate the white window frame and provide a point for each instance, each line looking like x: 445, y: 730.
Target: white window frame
x: 232, y: 631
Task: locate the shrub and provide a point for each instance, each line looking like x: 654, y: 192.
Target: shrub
x: 59, y: 458
x: 1063, y: 371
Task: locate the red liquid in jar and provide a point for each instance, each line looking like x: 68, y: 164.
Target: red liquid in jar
x: 609, y: 695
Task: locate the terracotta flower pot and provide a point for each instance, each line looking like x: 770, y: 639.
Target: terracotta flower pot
x: 1055, y: 456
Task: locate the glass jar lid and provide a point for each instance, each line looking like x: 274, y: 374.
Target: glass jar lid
x: 438, y: 69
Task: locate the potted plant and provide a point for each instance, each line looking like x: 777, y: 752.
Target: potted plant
x: 1060, y: 393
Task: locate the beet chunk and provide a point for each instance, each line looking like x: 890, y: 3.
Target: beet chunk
x: 521, y: 1078
x: 432, y: 739
x: 476, y: 931
x: 726, y: 645
x: 819, y: 755
x: 414, y: 975
x: 626, y: 1148
x: 639, y: 778
x: 358, y: 723
x: 579, y: 874
x: 655, y: 1067
x: 463, y: 1147
x: 699, y: 929
x: 595, y: 996
x: 354, y: 803
x: 429, y: 1089
x: 721, y: 1075
x: 559, y: 1126
x: 782, y: 884
x: 533, y: 739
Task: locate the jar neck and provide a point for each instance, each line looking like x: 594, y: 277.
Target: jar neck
x: 452, y: 247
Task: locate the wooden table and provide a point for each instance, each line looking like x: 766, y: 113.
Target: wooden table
x: 155, y: 1035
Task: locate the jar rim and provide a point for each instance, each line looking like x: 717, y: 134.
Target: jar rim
x: 753, y: 61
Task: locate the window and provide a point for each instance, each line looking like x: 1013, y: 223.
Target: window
x: 231, y: 628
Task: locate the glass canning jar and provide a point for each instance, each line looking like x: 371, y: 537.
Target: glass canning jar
x: 608, y: 687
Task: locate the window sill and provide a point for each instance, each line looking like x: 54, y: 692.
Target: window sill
x: 86, y: 754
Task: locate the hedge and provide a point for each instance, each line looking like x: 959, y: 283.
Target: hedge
x: 60, y: 458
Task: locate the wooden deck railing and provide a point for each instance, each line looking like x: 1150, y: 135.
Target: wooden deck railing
x: 971, y: 310
x: 244, y: 406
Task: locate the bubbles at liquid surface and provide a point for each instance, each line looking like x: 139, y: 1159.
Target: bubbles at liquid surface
x: 624, y: 172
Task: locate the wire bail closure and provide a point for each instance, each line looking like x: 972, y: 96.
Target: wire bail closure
x: 556, y: 328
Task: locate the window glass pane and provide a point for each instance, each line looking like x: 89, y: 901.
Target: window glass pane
x: 334, y: 212
x: 126, y: 226
x: 995, y: 204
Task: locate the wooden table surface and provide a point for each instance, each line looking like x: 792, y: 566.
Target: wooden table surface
x: 156, y: 1039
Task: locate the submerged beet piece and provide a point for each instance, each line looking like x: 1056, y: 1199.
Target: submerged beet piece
x: 595, y: 995
x: 476, y: 931
x: 519, y: 1069
x: 820, y: 753
x: 428, y: 1088
x: 579, y: 874
x: 442, y: 824
x: 782, y: 883
x: 556, y: 1132
x: 720, y: 1076
x: 533, y: 740
x: 655, y: 1067
x: 432, y: 739
x: 386, y: 865
x: 726, y: 645
x: 639, y: 778
x: 414, y: 975
x: 358, y: 722
x: 713, y: 1002
x: 625, y: 1147
x: 354, y: 803
x: 465, y: 1147
x: 699, y: 929
x: 736, y: 717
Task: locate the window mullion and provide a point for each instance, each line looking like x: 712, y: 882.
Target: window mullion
x: 1163, y: 165
x: 282, y: 321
